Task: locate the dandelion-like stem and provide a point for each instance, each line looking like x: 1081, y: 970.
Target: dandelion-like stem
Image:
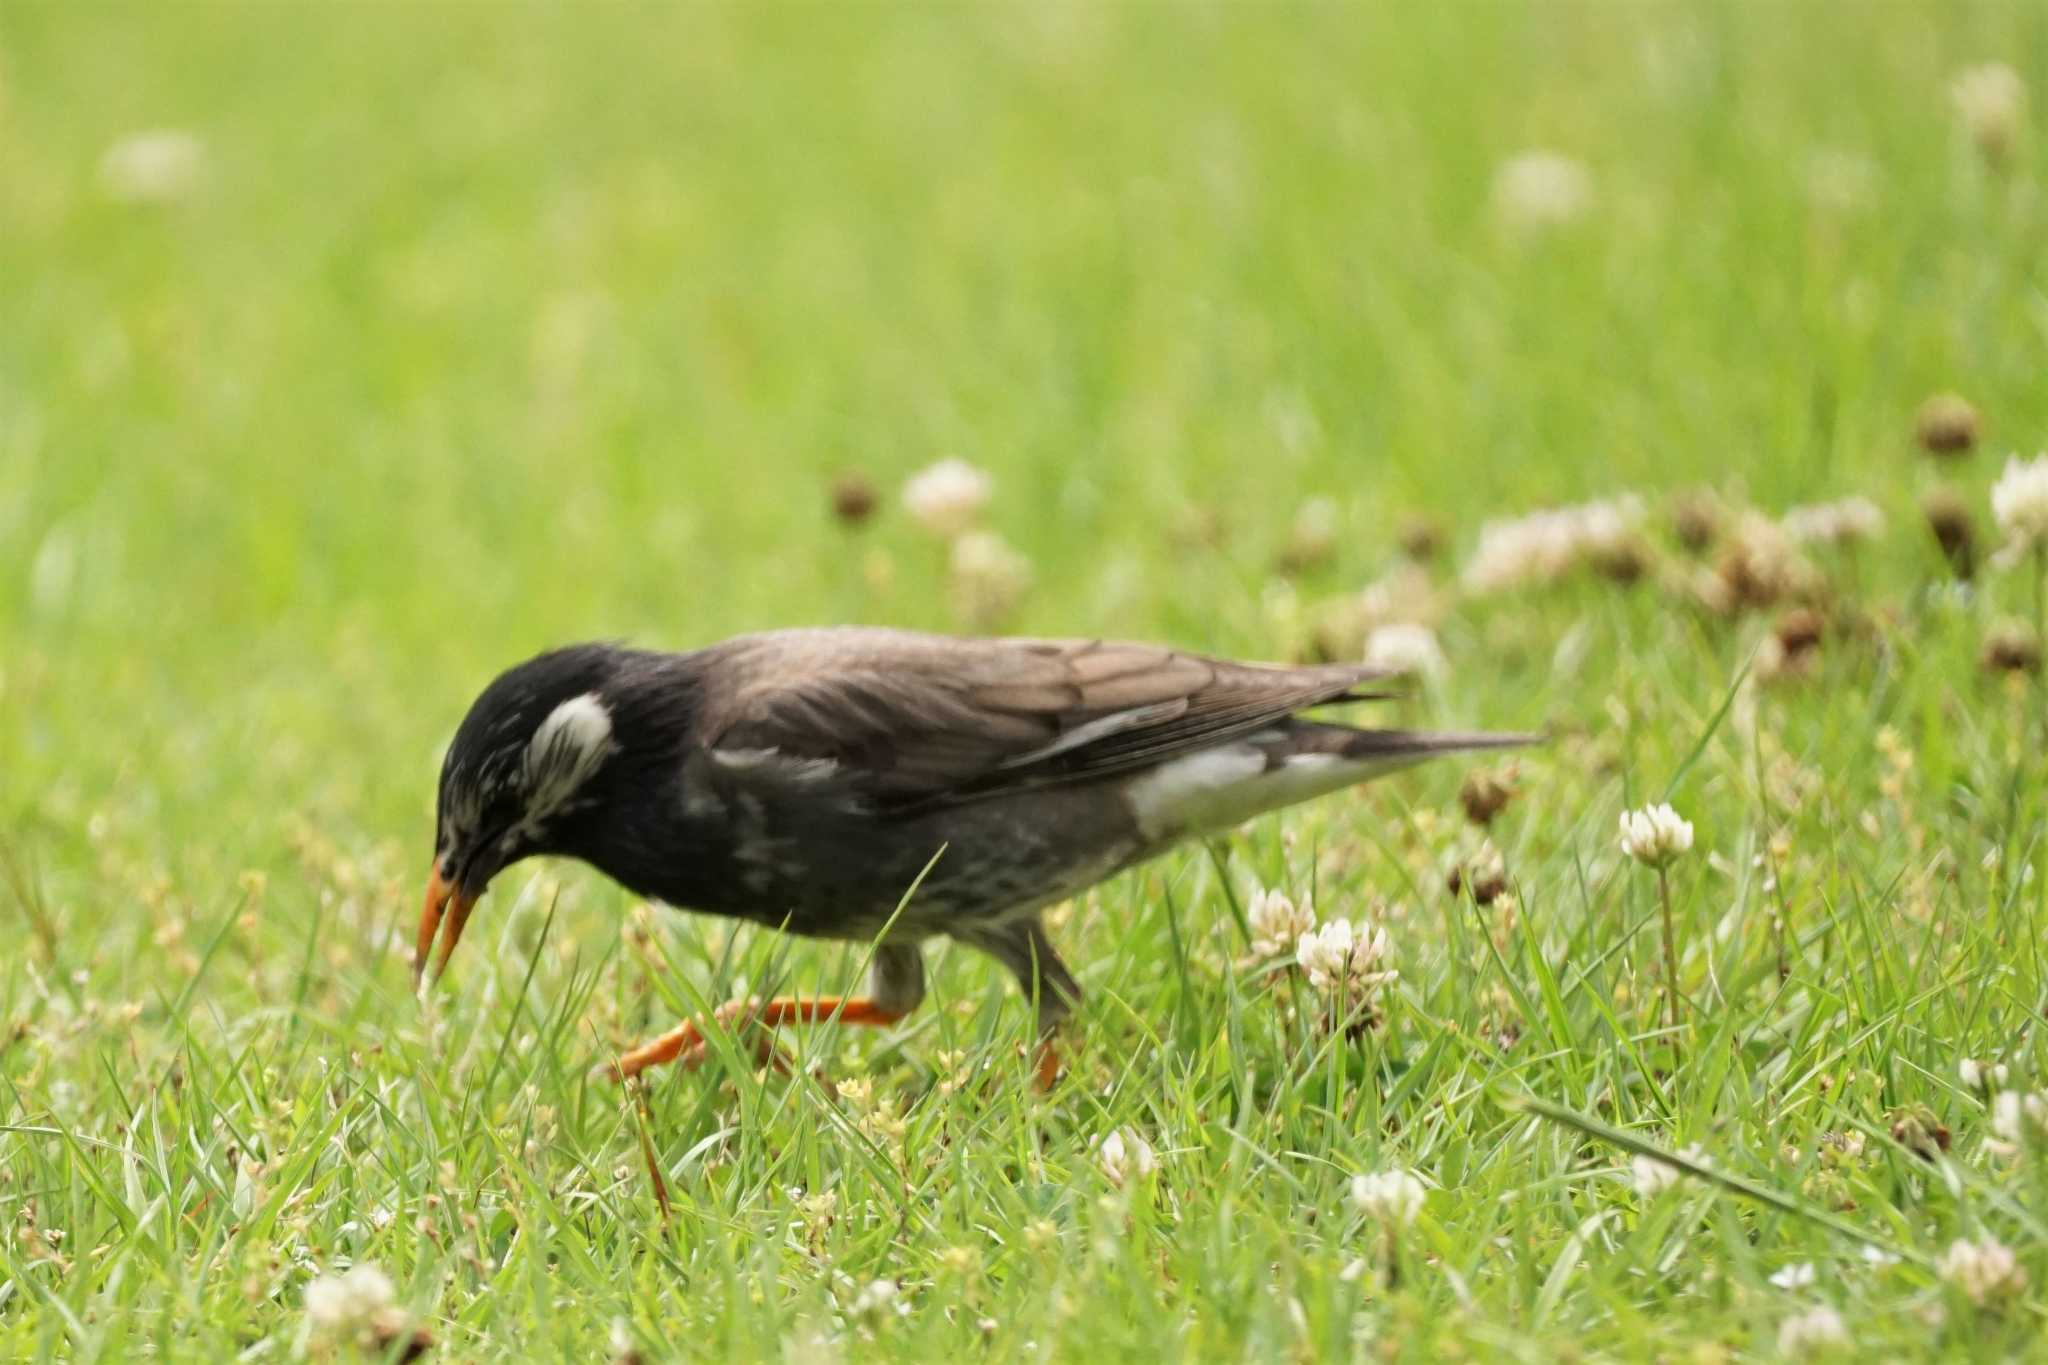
x: 2040, y: 593
x: 1778, y: 928
x: 1670, y: 949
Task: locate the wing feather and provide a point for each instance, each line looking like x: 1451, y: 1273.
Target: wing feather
x: 917, y: 720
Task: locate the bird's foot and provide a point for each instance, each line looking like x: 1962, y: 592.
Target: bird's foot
x: 687, y: 1046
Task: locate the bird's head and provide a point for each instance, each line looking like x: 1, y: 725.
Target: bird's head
x: 527, y: 758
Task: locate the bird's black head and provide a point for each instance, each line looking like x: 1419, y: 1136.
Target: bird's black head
x: 529, y: 755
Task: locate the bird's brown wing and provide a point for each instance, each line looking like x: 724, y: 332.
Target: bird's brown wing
x: 915, y: 720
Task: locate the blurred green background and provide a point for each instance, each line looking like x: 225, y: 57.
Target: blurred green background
x: 487, y: 327
x: 436, y: 334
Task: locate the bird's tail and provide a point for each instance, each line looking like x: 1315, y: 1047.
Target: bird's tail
x: 1397, y: 747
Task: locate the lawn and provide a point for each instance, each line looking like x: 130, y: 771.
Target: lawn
x: 348, y: 355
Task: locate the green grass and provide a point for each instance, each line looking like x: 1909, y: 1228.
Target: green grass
x: 494, y: 327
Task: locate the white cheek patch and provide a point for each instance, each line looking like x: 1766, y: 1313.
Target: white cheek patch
x: 567, y: 748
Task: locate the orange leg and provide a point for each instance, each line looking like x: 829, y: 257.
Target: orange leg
x: 1048, y: 1065
x: 685, y: 1043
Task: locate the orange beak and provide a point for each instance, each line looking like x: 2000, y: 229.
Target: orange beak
x: 444, y: 903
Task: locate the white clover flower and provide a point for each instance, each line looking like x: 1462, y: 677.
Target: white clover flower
x: 1545, y: 545
x: 1391, y: 1197
x: 1978, y: 1075
x: 1406, y: 648
x: 1815, y: 1332
x: 1761, y: 564
x: 2019, y: 500
x: 1992, y: 101
x: 1606, y: 524
x: 1799, y: 1275
x: 1276, y: 921
x: 876, y: 1296
x: 1341, y: 957
x: 1540, y: 189
x: 1985, y: 1271
x: 948, y: 497
x: 1652, y: 1176
x: 1654, y: 835
x: 989, y: 577
x: 1123, y: 1155
x: 2019, y: 1118
x: 349, y: 1307
x: 1518, y: 551
x: 1834, y: 523
x: 153, y: 167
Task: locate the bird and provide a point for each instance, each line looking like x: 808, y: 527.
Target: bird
x: 883, y: 786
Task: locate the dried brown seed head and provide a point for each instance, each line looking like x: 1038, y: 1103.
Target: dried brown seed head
x: 1800, y: 630
x: 1760, y: 566
x: 2010, y: 647
x: 1420, y: 539
x: 1622, y: 562
x: 1946, y: 426
x: 1696, y: 519
x: 1948, y: 516
x: 1484, y: 794
x: 853, y: 497
x: 1916, y: 1128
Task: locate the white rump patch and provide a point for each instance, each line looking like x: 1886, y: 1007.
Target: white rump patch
x: 1218, y: 788
x: 563, y: 753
